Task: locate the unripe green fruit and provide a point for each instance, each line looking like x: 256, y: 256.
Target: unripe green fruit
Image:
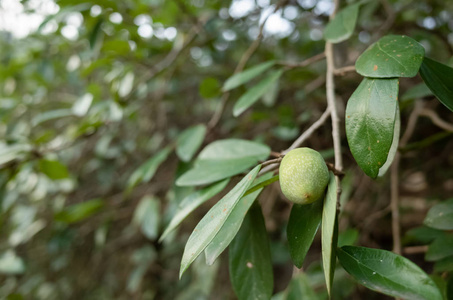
x: 303, y: 175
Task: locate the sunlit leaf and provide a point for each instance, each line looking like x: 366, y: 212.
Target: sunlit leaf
x: 247, y: 75
x: 53, y: 169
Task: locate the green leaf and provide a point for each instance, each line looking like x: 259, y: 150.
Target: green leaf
x: 146, y: 171
x: 385, y: 272
x: 329, y: 233
x: 395, y: 142
x: 245, y: 76
x: 189, y: 141
x: 391, y: 56
x: 418, y: 91
x: 80, y: 211
x: 212, y: 222
x: 348, y: 237
x: 300, y: 288
x: 256, y: 92
x: 440, y: 216
x: 250, y: 259
x: 423, y: 234
x: 9, y: 153
x: 11, y: 264
x: 440, y: 248
x: 192, y: 202
x: 209, y: 88
x: 233, y: 223
x: 370, y: 119
x: 222, y: 159
x: 147, y: 216
x: 53, y: 169
x: 303, y: 224
x: 51, y: 115
x: 439, y: 78
x: 342, y: 26
x: 444, y: 265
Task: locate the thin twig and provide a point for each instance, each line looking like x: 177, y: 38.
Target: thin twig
x: 304, y: 63
x: 415, y: 249
x: 436, y: 119
x: 335, y: 172
x: 344, y: 70
x: 272, y: 161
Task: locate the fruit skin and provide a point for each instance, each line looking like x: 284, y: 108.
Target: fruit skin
x: 303, y: 175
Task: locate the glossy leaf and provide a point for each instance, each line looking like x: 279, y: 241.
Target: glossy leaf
x: 233, y: 223
x: 53, y: 169
x: 80, y: 211
x: 329, y: 233
x: 250, y: 259
x: 303, y: 225
x: 440, y: 216
x: 255, y: 93
x: 299, y: 288
x: 192, y: 202
x: 391, y: 56
x: 385, y: 272
x: 189, y: 141
x: 440, y: 248
x: 222, y: 159
x: 370, y: 119
x: 147, y: 216
x: 342, y: 26
x: 395, y: 143
x: 439, y: 78
x: 247, y: 75
x: 146, y: 171
x: 212, y: 222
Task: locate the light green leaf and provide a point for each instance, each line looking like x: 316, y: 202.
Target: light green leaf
x: 440, y: 216
x: 233, y: 223
x: 250, y: 259
x: 370, y: 119
x: 51, y: 115
x: 300, y: 288
x: 11, y: 264
x: 147, y: 216
x: 192, y: 202
x: 212, y: 222
x: 395, y: 143
x: 391, y: 56
x: 439, y: 78
x: 146, y: 171
x: 245, y: 76
x: 342, y: 26
x: 388, y: 273
x: 9, y: 153
x: 189, y: 141
x: 329, y: 233
x: 222, y: 159
x: 80, y: 211
x: 256, y: 92
x: 53, y: 169
x: 303, y: 225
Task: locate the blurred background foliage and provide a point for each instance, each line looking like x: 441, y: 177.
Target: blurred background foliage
x: 91, y: 90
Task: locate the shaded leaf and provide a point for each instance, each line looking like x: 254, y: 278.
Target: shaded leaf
x: 439, y: 78
x: 233, y: 223
x: 440, y: 248
x: 212, y: 222
x: 300, y: 288
x: 329, y: 233
x: 247, y: 75
x: 192, y: 202
x: 222, y: 159
x: 418, y: 91
x: 391, y: 56
x: 147, y: 216
x: 440, y: 216
x: 342, y: 26
x: 444, y: 265
x: 255, y: 93
x: 303, y: 225
x: 250, y: 259
x: 385, y: 272
x: 80, y: 211
x: 209, y: 88
x: 189, y: 141
x: 53, y: 169
x: 348, y: 237
x: 395, y: 143
x: 370, y: 119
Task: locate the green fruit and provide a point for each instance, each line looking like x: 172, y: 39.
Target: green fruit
x: 303, y: 175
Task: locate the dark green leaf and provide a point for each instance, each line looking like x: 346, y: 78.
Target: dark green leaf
x: 53, y: 169
x: 247, y: 75
x: 189, y: 141
x: 329, y: 233
x: 250, y: 259
x: 391, y: 56
x: 192, y: 202
x: 209, y: 88
x: 303, y: 224
x: 444, y: 265
x: 342, y: 26
x: 388, y: 273
x: 423, y: 234
x: 80, y: 211
x: 395, y: 143
x: 255, y: 93
x: 233, y: 223
x: 223, y: 159
x: 440, y: 216
x: 370, y: 119
x: 440, y: 248
x: 212, y: 222
x: 439, y: 78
